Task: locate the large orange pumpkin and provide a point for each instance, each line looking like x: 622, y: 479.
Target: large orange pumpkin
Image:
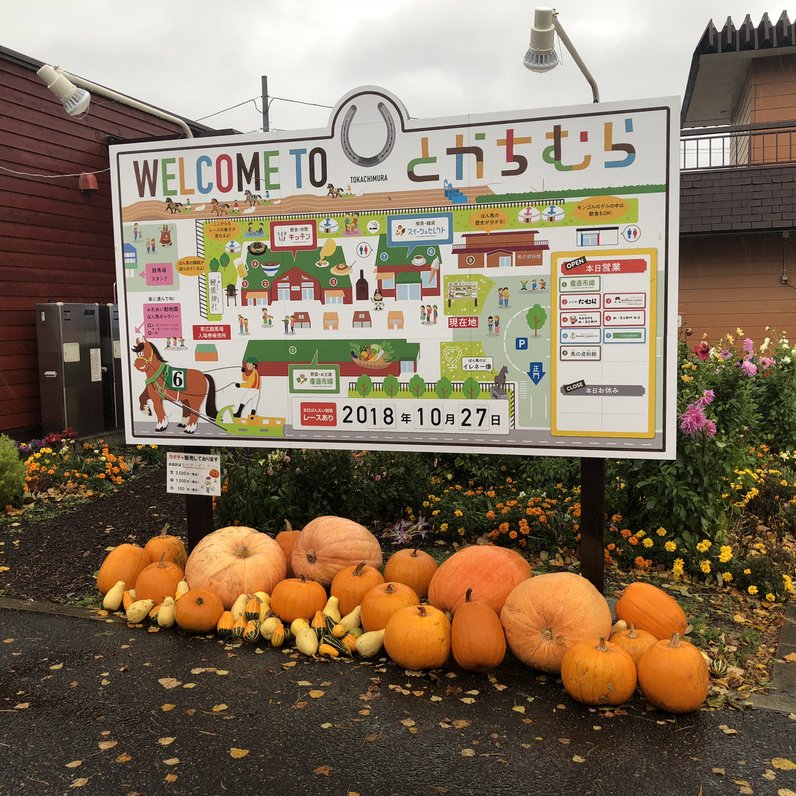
x: 418, y: 637
x: 477, y: 639
x: 235, y: 560
x: 546, y: 615
x: 198, y: 611
x: 158, y: 581
x: 598, y: 673
x: 124, y: 562
x: 172, y: 546
x: 415, y: 568
x: 490, y: 571
x: 673, y: 675
x: 649, y: 608
x: 352, y: 583
x: 327, y: 544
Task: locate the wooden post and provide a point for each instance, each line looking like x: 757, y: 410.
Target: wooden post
x: 198, y: 510
x: 592, y: 520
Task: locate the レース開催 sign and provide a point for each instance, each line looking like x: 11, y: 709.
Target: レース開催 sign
x: 495, y: 283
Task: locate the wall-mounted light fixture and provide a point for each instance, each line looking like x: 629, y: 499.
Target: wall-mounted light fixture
x: 541, y: 55
x: 73, y: 91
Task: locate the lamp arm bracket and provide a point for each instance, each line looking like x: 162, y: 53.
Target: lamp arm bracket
x: 574, y: 53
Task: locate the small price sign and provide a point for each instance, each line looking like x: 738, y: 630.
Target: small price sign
x: 193, y: 474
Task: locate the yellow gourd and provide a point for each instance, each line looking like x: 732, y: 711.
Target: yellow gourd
x: 332, y: 609
x: 112, y: 601
x: 166, y: 612
x: 328, y: 651
x: 369, y: 644
x: 138, y: 611
x: 182, y: 588
x: 307, y: 641
x: 298, y: 624
x: 268, y: 626
x: 239, y: 606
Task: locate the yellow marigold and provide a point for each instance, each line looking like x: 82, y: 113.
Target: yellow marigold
x: 435, y: 513
x: 661, y: 531
x: 752, y: 589
x: 647, y: 542
x: 770, y: 597
x: 641, y: 534
x: 704, y: 566
x: 686, y: 378
x: 443, y: 527
x: 458, y: 513
x: 677, y: 567
x: 670, y: 546
x: 703, y: 546
x: 725, y: 554
x: 747, y: 571
x: 726, y: 576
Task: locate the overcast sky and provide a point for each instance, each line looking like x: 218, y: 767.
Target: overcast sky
x: 197, y: 57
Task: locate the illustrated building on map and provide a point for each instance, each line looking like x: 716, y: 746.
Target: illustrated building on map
x: 500, y: 249
x: 407, y: 273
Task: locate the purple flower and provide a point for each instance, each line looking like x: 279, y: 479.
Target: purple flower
x: 748, y: 368
x: 725, y: 354
x: 748, y: 346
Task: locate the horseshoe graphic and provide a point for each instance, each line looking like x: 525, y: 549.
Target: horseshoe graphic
x: 373, y: 160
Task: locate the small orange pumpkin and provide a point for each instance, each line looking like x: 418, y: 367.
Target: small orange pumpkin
x: 598, y: 674
x: 415, y: 568
x: 650, y: 608
x: 477, y: 638
x: 172, y: 546
x: 634, y: 642
x: 418, y: 637
x: 673, y: 676
x: 124, y: 562
x: 295, y: 598
x: 200, y: 611
x: 352, y: 583
x: 286, y: 539
x: 382, y: 601
x: 158, y: 581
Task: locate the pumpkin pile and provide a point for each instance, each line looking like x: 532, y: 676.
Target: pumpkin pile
x: 323, y: 591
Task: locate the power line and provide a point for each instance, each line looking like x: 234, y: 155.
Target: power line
x: 270, y: 100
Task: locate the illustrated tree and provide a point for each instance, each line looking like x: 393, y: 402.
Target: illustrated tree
x: 444, y: 387
x: 417, y: 385
x: 364, y: 385
x: 391, y: 386
x: 536, y: 317
x: 471, y: 388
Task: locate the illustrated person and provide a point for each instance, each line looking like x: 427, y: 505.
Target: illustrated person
x: 136, y: 231
x: 286, y: 322
x: 505, y: 297
x: 250, y: 384
x: 422, y: 314
x: 436, y: 313
x: 165, y: 236
x: 497, y: 324
x: 292, y: 324
x: 428, y: 314
x: 542, y: 284
x: 240, y: 323
x: 489, y: 323
x: 500, y: 297
x: 245, y: 325
x: 378, y: 300
x: 267, y: 317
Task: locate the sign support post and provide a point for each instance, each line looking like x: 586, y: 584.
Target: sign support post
x: 592, y: 520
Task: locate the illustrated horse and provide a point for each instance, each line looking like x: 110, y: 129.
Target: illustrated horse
x: 172, y: 206
x: 218, y: 208
x: 198, y: 388
x: 252, y: 198
x: 500, y: 379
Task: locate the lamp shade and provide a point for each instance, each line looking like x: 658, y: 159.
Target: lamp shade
x: 541, y: 55
x: 75, y: 100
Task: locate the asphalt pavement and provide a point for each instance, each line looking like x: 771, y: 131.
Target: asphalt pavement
x: 89, y: 705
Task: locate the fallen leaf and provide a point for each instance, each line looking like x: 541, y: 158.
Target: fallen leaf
x: 79, y: 782
x: 167, y: 707
x: 124, y: 758
x: 790, y: 657
x: 769, y: 774
x: 165, y: 741
x: 374, y: 736
x: 22, y: 706
x: 219, y: 708
x: 460, y: 724
x: 468, y: 700
x: 578, y: 759
x: 436, y: 698
x: 519, y: 708
x: 718, y: 771
x: 323, y: 771
x: 104, y: 745
x: 408, y: 722
x: 783, y: 764
x: 74, y: 764
x: 56, y: 666
x: 169, y: 682
x: 316, y: 693
x: 170, y: 777
x: 172, y: 761
x: 727, y: 730
x: 304, y: 683
x: 236, y: 754
x: 327, y: 725
x: 468, y: 752
x: 189, y: 685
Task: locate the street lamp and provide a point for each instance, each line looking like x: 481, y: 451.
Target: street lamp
x: 73, y: 91
x: 541, y: 55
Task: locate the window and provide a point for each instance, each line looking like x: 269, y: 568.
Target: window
x: 408, y: 292
x: 504, y: 261
x: 283, y: 292
x: 307, y: 290
x: 429, y: 278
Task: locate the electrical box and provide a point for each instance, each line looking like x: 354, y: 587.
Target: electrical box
x: 70, y: 368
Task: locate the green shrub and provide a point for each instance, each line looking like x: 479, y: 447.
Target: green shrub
x: 12, y: 472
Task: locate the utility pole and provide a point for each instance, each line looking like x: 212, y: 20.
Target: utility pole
x: 266, y: 121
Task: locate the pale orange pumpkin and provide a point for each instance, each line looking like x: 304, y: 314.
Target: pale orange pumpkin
x: 235, y: 560
x: 490, y: 571
x: 382, y: 601
x: 352, y: 583
x: 477, y: 639
x: 634, y: 642
x: 172, y: 546
x: 546, y: 615
x: 418, y: 637
x: 598, y: 673
x: 158, y: 581
x: 415, y: 568
x: 328, y: 544
x: 650, y: 608
x: 673, y: 675
x: 124, y: 562
x: 295, y: 598
x: 198, y: 611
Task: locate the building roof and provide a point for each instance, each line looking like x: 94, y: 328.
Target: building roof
x: 720, y: 64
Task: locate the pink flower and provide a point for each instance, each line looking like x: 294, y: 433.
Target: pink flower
x: 725, y: 354
x: 693, y: 419
x: 748, y: 367
x: 707, y: 397
x: 710, y: 428
x: 748, y: 346
x: 766, y: 362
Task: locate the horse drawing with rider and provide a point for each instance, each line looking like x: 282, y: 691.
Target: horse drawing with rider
x: 186, y: 387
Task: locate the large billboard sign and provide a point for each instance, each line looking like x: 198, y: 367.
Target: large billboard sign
x: 489, y: 283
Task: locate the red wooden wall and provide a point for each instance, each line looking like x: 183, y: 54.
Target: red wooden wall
x: 55, y: 242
